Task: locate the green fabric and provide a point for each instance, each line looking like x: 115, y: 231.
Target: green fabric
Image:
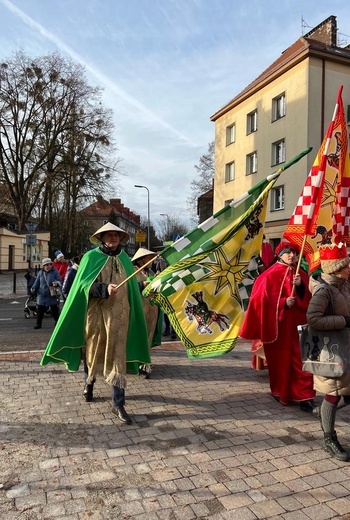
x: 158, y: 333
x: 68, y: 337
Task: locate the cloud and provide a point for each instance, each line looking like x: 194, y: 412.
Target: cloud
x: 149, y: 117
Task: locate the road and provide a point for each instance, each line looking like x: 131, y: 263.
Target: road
x: 16, y: 332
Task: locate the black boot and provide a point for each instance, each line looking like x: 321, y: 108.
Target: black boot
x: 316, y: 412
x: 122, y: 415
x: 307, y: 406
x: 333, y: 446
x: 88, y: 392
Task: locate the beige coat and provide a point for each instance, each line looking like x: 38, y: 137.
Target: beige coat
x: 318, y: 317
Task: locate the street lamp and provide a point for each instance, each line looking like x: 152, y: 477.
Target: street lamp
x: 148, y: 215
x: 167, y: 223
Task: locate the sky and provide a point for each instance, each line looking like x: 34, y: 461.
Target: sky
x: 166, y: 66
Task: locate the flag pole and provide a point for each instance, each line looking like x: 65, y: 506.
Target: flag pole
x: 136, y: 272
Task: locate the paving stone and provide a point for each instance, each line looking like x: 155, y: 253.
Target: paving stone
x: 207, y: 442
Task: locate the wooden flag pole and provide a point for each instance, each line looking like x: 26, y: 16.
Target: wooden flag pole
x: 299, y: 262
x: 136, y: 272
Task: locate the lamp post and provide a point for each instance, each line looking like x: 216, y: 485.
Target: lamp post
x: 167, y: 223
x: 148, y: 215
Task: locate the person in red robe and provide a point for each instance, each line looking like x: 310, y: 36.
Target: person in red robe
x: 277, y: 306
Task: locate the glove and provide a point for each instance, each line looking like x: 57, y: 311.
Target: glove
x: 347, y: 319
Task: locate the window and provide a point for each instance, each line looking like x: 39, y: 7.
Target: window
x: 279, y: 107
x: 230, y: 172
x: 252, y: 163
x: 230, y: 134
x: 278, y: 152
x: 252, y: 122
x: 277, y: 196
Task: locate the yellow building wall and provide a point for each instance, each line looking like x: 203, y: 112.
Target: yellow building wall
x: 12, y: 244
x: 308, y: 114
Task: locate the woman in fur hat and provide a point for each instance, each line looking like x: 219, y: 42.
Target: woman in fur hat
x: 153, y: 315
x: 329, y: 309
x: 272, y: 318
x: 102, y: 319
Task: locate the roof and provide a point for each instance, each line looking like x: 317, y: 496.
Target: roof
x: 321, y: 43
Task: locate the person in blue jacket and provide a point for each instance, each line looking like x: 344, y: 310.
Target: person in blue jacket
x: 45, y: 288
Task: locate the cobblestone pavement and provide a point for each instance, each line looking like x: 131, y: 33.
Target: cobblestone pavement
x: 207, y: 441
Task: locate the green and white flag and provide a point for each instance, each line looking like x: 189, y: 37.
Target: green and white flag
x: 206, y: 287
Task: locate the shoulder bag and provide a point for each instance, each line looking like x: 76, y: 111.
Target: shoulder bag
x: 325, y: 352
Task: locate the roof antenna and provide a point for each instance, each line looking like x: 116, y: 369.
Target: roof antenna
x: 304, y: 25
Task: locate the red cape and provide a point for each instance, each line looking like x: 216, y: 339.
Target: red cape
x: 267, y: 303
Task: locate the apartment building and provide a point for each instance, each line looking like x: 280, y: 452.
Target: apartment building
x: 282, y: 112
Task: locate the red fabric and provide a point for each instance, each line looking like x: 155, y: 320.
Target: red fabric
x: 267, y: 254
x: 268, y: 319
x: 61, y: 268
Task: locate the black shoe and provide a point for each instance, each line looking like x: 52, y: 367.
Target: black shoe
x: 333, y: 446
x: 276, y: 398
x: 316, y: 412
x: 88, y: 393
x: 37, y: 327
x: 173, y: 336
x: 121, y: 414
x: 144, y: 373
x: 166, y: 332
x: 307, y: 406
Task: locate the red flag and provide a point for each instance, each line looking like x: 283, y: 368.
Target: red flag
x: 341, y: 217
x: 311, y: 223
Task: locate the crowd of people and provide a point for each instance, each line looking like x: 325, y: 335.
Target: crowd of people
x: 115, y: 327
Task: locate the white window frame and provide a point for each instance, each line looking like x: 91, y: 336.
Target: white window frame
x: 279, y: 107
x: 230, y: 134
x: 252, y: 122
x: 278, y: 152
x: 277, y: 198
x: 252, y: 163
x: 230, y: 171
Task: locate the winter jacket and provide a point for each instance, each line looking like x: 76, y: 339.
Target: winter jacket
x: 329, y: 314
x: 41, y: 286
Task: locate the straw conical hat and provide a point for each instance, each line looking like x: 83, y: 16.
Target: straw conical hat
x: 96, y: 237
x: 140, y: 253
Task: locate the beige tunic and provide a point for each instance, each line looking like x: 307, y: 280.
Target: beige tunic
x: 106, y: 329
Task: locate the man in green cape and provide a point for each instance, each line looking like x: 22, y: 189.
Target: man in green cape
x: 102, y: 320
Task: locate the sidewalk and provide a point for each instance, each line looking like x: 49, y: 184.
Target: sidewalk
x: 207, y: 441
x: 12, y: 284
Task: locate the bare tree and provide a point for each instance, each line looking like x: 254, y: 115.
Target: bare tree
x: 170, y: 225
x: 56, y: 148
x: 205, y: 170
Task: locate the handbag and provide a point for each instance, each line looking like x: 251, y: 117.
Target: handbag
x: 54, y: 291
x: 324, y: 352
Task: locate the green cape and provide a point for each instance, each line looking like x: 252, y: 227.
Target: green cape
x: 68, y: 337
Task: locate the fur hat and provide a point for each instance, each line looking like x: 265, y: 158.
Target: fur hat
x: 46, y: 261
x: 280, y: 249
x: 141, y: 252
x: 333, y: 258
x: 97, y: 239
